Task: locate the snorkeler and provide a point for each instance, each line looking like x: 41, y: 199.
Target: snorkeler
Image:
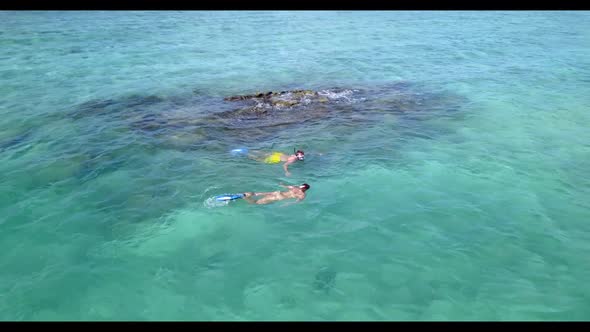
x: 277, y: 157
x: 297, y: 192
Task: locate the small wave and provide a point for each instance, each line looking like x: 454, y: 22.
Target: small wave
x: 211, y: 202
x: 337, y: 95
x: 331, y: 94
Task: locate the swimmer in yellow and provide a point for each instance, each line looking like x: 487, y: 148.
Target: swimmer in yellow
x: 277, y: 157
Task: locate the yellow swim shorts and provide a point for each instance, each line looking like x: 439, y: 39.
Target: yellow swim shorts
x: 274, y: 158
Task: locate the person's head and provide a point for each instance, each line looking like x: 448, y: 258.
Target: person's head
x: 300, y: 155
x: 304, y: 187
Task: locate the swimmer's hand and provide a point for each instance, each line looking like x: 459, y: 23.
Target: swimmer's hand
x: 288, y: 173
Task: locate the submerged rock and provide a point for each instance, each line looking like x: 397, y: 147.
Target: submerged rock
x: 283, y: 106
x: 197, y: 121
x: 283, y: 99
x: 119, y: 107
x: 324, y: 280
x: 15, y: 140
x: 268, y: 96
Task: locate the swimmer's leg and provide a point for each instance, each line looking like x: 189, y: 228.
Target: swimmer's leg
x: 248, y: 197
x: 257, y: 155
x: 267, y: 199
x: 264, y: 194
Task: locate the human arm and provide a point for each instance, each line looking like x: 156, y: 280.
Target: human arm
x: 286, y: 167
x: 299, y: 197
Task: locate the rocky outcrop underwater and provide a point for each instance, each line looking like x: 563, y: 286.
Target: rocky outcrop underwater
x: 190, y: 122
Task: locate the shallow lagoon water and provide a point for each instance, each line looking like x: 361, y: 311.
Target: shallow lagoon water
x: 467, y: 201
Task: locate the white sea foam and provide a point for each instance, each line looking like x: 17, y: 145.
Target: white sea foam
x: 211, y: 202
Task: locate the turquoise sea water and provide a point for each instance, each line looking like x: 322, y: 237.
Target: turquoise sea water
x: 466, y: 200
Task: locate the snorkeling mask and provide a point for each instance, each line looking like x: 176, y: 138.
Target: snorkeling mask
x: 299, y: 154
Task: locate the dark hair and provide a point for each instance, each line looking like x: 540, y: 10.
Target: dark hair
x: 299, y: 151
x: 305, y: 186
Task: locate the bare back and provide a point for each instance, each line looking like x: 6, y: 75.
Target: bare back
x: 293, y: 192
